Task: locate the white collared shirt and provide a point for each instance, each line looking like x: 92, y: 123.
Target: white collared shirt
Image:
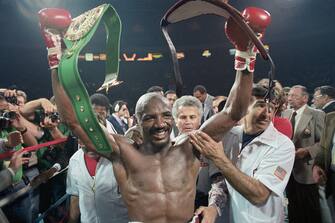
x: 328, y: 104
x: 99, y: 197
x: 268, y: 158
x: 298, y: 116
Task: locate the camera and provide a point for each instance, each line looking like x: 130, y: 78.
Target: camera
x: 5, y: 119
x: 12, y: 99
x: 4, y: 123
x: 54, y: 116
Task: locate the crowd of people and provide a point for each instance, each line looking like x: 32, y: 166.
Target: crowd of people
x: 247, y: 171
x: 264, y: 153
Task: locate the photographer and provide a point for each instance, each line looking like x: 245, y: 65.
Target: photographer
x: 48, y: 127
x: 33, y: 110
x: 24, y: 209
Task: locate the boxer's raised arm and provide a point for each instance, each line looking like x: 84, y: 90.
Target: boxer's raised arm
x: 53, y: 23
x: 235, y: 109
x: 245, y: 59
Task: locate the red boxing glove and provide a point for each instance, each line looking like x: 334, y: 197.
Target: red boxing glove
x: 258, y: 19
x: 53, y: 22
x: 245, y: 56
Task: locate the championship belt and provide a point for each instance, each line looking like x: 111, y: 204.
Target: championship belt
x: 186, y: 9
x: 76, y: 38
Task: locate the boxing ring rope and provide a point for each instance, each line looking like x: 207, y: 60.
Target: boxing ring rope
x: 8, y: 154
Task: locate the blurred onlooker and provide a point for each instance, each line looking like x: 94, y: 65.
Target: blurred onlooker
x: 206, y: 99
x: 286, y: 90
x: 21, y: 97
x: 157, y: 89
x: 324, y: 163
x: 120, y: 116
x: 101, y: 105
x: 171, y: 96
x: 302, y: 190
x: 324, y: 98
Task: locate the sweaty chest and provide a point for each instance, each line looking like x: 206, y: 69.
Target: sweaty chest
x: 170, y: 173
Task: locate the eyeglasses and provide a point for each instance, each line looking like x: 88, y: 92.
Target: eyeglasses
x: 317, y: 96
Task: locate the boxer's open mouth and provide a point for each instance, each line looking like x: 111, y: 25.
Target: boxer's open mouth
x: 160, y: 133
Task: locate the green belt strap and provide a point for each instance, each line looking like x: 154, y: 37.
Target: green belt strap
x: 76, y: 38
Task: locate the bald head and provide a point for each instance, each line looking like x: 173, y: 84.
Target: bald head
x: 146, y: 100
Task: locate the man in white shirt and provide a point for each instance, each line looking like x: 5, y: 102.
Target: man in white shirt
x: 91, y: 181
x: 257, y: 161
x: 94, y: 190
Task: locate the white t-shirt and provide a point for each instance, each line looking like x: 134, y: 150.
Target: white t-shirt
x: 99, y: 197
x: 268, y: 158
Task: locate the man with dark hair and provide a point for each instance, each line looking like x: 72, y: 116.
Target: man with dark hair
x: 256, y: 161
x: 157, y: 89
x: 171, y: 96
x: 307, y: 124
x: 100, y: 104
x: 100, y: 100
x: 206, y: 99
x: 324, y: 98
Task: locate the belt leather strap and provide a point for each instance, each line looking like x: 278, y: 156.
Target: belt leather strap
x: 187, y: 9
x: 76, y: 38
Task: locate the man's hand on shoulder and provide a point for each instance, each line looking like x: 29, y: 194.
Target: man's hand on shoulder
x: 207, y: 146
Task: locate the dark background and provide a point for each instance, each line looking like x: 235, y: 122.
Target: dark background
x: 301, y: 39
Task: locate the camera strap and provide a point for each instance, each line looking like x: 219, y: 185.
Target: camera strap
x: 76, y: 38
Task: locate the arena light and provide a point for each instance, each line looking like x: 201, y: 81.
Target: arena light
x: 127, y: 58
x: 146, y: 58
x: 206, y: 53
